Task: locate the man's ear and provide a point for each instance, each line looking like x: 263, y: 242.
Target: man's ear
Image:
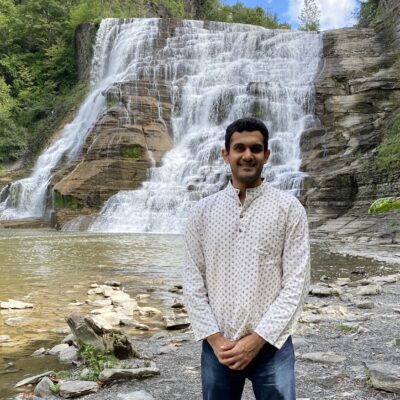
x: 225, y: 155
x: 267, y: 153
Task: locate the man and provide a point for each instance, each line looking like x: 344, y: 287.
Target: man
x: 246, y: 275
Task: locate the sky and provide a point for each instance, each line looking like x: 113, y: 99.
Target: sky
x: 334, y: 13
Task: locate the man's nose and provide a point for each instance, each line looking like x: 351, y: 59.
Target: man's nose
x: 248, y: 154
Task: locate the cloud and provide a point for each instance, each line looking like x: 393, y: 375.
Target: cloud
x: 334, y: 13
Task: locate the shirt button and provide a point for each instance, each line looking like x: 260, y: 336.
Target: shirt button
x: 241, y: 215
x: 240, y: 229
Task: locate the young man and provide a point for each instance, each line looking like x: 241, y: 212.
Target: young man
x: 246, y: 274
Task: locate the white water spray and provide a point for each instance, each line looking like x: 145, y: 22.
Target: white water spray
x: 122, y: 50
x: 220, y: 72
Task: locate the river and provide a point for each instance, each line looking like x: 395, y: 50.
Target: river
x: 53, y: 270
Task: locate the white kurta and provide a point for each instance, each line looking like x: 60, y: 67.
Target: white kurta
x: 246, y: 266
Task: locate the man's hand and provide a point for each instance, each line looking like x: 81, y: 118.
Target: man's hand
x: 220, y: 344
x: 242, y: 353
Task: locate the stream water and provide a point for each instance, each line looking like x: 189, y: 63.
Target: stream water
x: 53, y: 270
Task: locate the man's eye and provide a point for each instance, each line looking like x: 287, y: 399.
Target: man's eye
x: 257, y: 149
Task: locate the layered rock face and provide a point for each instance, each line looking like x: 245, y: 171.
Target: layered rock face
x: 121, y: 147
x: 357, y: 96
x: 357, y: 99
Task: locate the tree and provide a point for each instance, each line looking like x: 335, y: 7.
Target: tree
x: 309, y: 16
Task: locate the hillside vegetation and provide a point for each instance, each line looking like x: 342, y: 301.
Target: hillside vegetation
x: 38, y: 77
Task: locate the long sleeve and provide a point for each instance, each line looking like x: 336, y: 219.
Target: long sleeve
x: 194, y: 281
x: 279, y: 320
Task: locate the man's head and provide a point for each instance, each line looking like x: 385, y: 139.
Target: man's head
x: 246, y: 151
x: 246, y: 124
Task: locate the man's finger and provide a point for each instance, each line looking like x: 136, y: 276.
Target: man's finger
x: 228, y: 345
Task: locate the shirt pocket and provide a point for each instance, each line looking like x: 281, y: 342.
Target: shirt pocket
x: 267, y: 257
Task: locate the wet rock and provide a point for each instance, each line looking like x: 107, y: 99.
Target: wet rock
x: 134, y: 324
x: 16, y: 321
x: 14, y: 304
x: 113, y: 283
x: 94, y: 285
x: 119, y: 297
x: 384, y: 376
x: 127, y: 307
x: 82, y: 331
x: 176, y: 321
x: 368, y: 290
x: 69, y: 339
x: 121, y: 345
x: 33, y: 379
x: 142, y: 296
x: 56, y: 350
x: 70, y: 389
x: 68, y: 355
x: 102, y: 310
x: 76, y: 303
x: 4, y: 338
x: 39, y: 352
x: 99, y: 324
x: 149, y: 312
x: 42, y: 389
x: 137, y: 395
x: 178, y: 305
x: 107, y: 291
x: 96, y: 290
x: 323, y: 357
x: 109, y: 375
x: 101, y: 303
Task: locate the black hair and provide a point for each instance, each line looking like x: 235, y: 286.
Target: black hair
x: 246, y: 124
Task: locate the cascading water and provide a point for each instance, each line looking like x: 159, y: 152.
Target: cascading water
x: 220, y: 72
x: 122, y: 50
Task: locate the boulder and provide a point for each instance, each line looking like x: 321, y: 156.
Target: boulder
x: 323, y: 357
x: 56, y: 350
x: 42, y: 389
x: 14, y: 304
x: 384, y: 376
x: 33, y: 379
x: 70, y: 389
x: 83, y: 331
x: 112, y: 374
x: 16, y: 321
x: 176, y: 321
x: 68, y: 355
x: 369, y: 290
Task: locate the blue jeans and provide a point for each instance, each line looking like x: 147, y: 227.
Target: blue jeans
x: 271, y: 373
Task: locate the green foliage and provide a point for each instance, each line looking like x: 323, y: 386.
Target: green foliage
x: 309, y: 16
x: 12, y: 139
x: 384, y: 204
x: 367, y: 12
x: 389, y: 150
x: 95, y: 359
x: 239, y: 13
x: 55, y: 388
x: 346, y: 328
x: 38, y: 77
x: 70, y: 202
x: 132, y: 152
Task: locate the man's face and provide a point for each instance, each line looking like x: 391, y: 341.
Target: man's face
x: 246, y: 156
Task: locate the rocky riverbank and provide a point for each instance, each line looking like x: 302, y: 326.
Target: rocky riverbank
x: 347, y: 346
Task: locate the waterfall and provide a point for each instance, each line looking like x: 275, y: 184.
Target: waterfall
x: 219, y: 72
x: 121, y: 50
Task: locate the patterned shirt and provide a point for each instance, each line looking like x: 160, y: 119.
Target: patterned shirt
x: 246, y: 266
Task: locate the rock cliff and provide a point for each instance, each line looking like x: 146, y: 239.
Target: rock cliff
x: 357, y: 100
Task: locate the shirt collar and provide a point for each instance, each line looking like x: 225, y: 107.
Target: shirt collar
x: 251, y: 193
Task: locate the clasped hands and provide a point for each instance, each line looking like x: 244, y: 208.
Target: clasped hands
x: 236, y: 354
